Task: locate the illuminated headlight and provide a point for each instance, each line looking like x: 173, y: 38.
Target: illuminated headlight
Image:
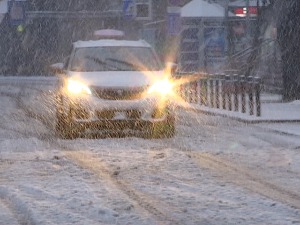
x: 163, y: 87
x: 77, y: 87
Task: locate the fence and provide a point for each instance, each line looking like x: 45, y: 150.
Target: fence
x: 227, y: 92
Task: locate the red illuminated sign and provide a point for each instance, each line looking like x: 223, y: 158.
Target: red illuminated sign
x: 253, y: 10
x: 243, y: 10
x: 239, y: 11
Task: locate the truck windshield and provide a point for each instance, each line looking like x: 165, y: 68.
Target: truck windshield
x: 114, y: 58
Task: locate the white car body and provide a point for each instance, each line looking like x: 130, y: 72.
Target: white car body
x: 120, y: 90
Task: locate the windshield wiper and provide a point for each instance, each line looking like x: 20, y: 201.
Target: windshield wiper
x: 99, y: 61
x: 133, y: 66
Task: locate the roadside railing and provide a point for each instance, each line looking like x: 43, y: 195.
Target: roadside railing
x: 227, y: 92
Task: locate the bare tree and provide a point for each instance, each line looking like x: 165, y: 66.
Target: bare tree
x: 288, y: 24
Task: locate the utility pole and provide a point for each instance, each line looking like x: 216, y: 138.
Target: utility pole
x: 226, y: 23
x: 256, y: 42
x: 226, y: 14
x: 247, y: 20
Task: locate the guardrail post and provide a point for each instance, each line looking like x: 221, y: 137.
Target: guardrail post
x: 211, y: 90
x: 184, y: 94
x: 257, y: 82
x: 192, y: 92
x: 250, y: 93
x: 236, y: 90
x: 228, y: 91
x: 204, y: 91
x: 180, y: 90
x: 201, y: 91
x: 217, y: 95
x: 243, y: 93
x: 223, y: 91
x: 198, y: 96
x: 188, y: 92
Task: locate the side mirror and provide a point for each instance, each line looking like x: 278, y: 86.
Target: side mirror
x: 57, y: 68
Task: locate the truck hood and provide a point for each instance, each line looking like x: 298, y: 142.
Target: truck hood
x: 117, y: 79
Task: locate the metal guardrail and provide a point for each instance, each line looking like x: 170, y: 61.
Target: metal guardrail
x: 227, y: 92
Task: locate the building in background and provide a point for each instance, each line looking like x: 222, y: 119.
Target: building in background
x: 203, y: 37
x: 51, y: 27
x: 49, y: 30
x: 3, y: 9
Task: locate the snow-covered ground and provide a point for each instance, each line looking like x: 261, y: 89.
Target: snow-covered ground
x: 214, y: 171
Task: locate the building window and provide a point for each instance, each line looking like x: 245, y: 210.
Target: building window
x: 143, y: 9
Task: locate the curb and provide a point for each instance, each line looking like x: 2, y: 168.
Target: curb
x: 244, y: 120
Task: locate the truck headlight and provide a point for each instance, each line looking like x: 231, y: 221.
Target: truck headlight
x: 162, y: 87
x: 77, y: 87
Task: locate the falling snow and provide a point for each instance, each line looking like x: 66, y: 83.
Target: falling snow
x: 221, y: 167
x: 214, y: 171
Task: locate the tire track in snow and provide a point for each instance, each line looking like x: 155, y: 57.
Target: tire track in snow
x: 243, y: 177
x: 20, y: 103
x: 29, y: 113
x: 19, y: 210
x: 89, y: 161
x: 42, y: 118
x: 240, y: 176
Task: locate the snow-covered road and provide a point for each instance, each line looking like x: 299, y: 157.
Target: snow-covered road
x: 214, y: 171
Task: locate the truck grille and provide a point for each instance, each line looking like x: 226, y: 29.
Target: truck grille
x: 119, y: 93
